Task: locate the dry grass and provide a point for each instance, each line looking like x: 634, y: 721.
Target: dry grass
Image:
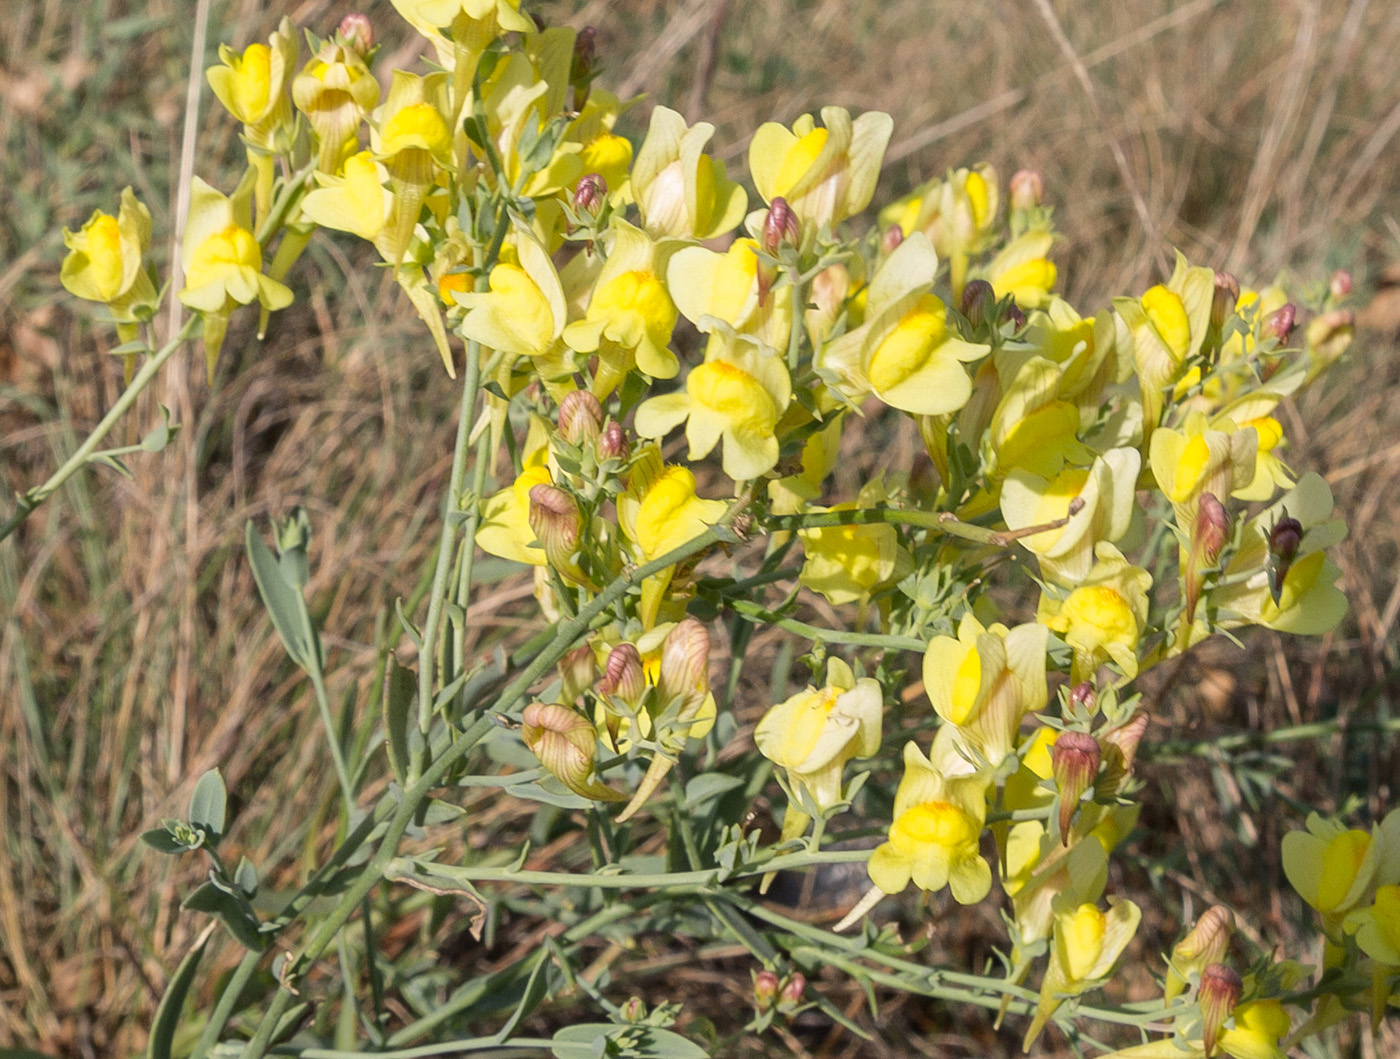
x: 134, y: 653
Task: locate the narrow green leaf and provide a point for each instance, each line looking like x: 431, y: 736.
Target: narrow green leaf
x: 400, y: 689
x: 168, y: 1013
x: 285, y: 605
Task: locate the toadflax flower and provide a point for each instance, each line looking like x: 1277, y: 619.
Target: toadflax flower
x: 811, y: 736
x: 336, y: 91
x: 1104, y: 617
x: 223, y: 264
x: 1336, y: 869
x: 848, y: 564
x: 826, y: 173
x: 737, y: 395
x: 934, y: 837
x: 680, y: 191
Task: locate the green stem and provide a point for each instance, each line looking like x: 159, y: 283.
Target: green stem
x: 812, y: 632
x: 942, y: 521
x: 471, y: 382
x: 36, y: 496
x: 323, y: 706
x: 470, y: 1044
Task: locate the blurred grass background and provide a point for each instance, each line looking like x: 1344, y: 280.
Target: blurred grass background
x: 1256, y: 136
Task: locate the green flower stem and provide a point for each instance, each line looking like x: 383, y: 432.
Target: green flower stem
x: 404, y: 868
x: 228, y: 1000
x: 33, y: 498
x: 470, y: 1044
x: 1001, y: 816
x: 471, y: 384
x: 1176, y: 752
x: 323, y: 706
x: 942, y: 521
x: 754, y: 612
x: 565, y: 636
x: 462, y: 597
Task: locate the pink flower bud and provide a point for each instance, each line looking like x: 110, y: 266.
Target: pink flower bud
x: 1017, y: 316
x: 978, y: 301
x: 1340, y: 284
x: 889, y: 242
x: 1119, y: 748
x: 356, y: 32
x: 1209, y: 535
x: 685, y: 667
x: 1227, y: 294
x: 780, y: 226
x: 790, y: 999
x: 765, y: 989
x: 584, y: 66
x: 563, y: 740
x: 1027, y: 189
x: 590, y: 194
x: 555, y: 519
x: 633, y: 1010
x: 612, y: 442
x: 1082, y: 698
x: 1207, y: 941
x: 1075, y: 758
x: 623, y: 676
x: 1284, y: 540
x: 577, y: 670
x: 1220, y: 991
x: 1279, y: 324
x: 580, y: 417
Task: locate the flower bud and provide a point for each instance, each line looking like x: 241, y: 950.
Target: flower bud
x: 1027, y: 189
x: 633, y: 1010
x: 790, y: 999
x: 685, y: 667
x: 1340, y: 284
x: 1082, y: 698
x: 1075, y: 759
x: 1017, y: 316
x: 1209, y: 536
x: 1220, y: 991
x: 584, y: 66
x: 889, y: 242
x: 580, y: 417
x: 1279, y: 324
x: 1207, y: 941
x: 612, y: 442
x: 555, y: 519
x: 1284, y: 540
x: 1329, y: 335
x: 356, y: 32
x: 1118, y: 749
x: 623, y: 676
x: 577, y: 670
x: 780, y: 226
x: 1227, y: 294
x: 590, y: 194
x: 765, y: 989
x: 978, y: 301
x: 565, y: 743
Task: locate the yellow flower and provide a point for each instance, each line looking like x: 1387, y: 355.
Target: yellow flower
x: 1200, y: 459
x: 615, y: 717
x: 223, y: 264
x: 680, y: 191
x: 960, y: 215
x: 826, y: 174
x: 933, y: 839
x: 1335, y: 869
x: 1270, y: 474
x: 253, y: 86
x: 630, y: 316
x: 524, y: 311
x: 848, y: 564
x: 505, y: 516
x: 1023, y: 270
x: 812, y: 735
x: 1107, y: 492
x: 601, y: 150
x: 336, y: 91
x: 1087, y: 943
x: 1258, y: 1027
x: 357, y: 201
x: 104, y: 258
x: 717, y: 291
x: 904, y: 352
x: 787, y: 496
x: 1309, y: 601
x: 522, y: 94
x: 1378, y: 928
x: 1033, y: 428
x: 439, y: 13
x: 987, y: 680
x: 658, y: 513
x: 737, y: 394
x: 1104, y: 617
x: 1085, y: 350
x: 1168, y: 325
